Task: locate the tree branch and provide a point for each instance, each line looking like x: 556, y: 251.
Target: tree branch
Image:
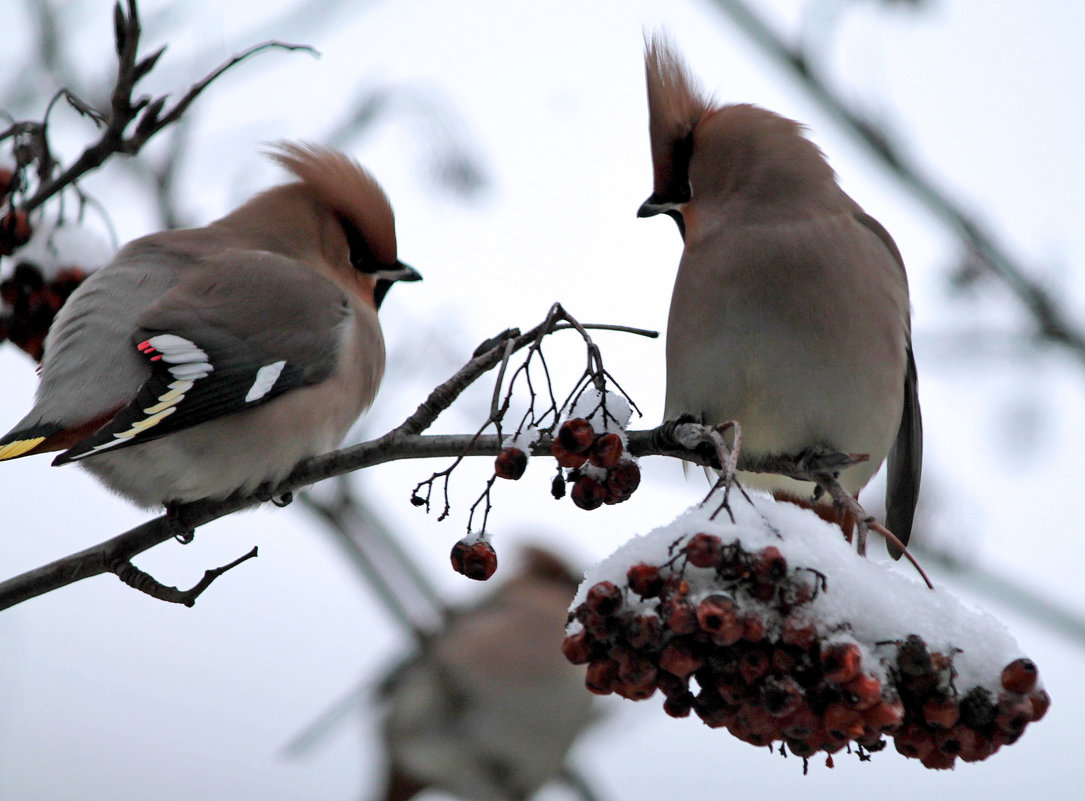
x: 149, y: 116
x: 1052, y: 322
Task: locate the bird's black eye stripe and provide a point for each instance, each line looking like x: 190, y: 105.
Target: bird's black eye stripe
x: 361, y: 257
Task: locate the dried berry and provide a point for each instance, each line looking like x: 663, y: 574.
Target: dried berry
x: 1020, y: 676
x: 622, y: 481
x: 15, y: 231
x: 606, y: 451
x: 645, y: 580
x: 588, y: 493
x: 475, y: 560
x: 567, y: 458
x: 941, y: 712
x: 680, y: 658
x: 604, y: 598
x: 601, y: 676
x: 576, y: 435
x: 717, y: 616
x: 768, y: 564
x: 510, y: 463
x: 703, y: 550
x: 576, y: 648
x: 841, y: 661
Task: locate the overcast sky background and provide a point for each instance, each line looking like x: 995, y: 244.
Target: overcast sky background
x: 107, y: 694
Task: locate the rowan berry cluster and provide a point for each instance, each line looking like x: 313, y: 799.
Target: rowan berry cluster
x: 751, y: 656
x: 599, y: 470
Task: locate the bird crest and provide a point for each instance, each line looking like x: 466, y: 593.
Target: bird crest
x: 347, y: 188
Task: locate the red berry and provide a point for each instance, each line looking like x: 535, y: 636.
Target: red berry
x: 718, y: 616
x: 588, y: 493
x: 679, y: 616
x: 1014, y: 713
x: 884, y: 716
x: 7, y: 181
x: 601, y: 676
x: 678, y: 706
x: 913, y: 740
x: 1040, y: 701
x: 576, y: 435
x: 622, y: 481
x: 1020, y: 676
x: 802, y: 721
x: 636, y: 670
x: 863, y: 691
x: 703, y: 550
x: 753, y: 664
x: 606, y: 451
x: 604, y: 598
x: 475, y: 560
x: 936, y: 759
x: 941, y: 712
x: 841, y: 721
x: 798, y: 631
x: 15, y: 231
x: 510, y: 463
x: 975, y: 747
x: 645, y: 632
x: 679, y: 658
x: 768, y: 564
x: 753, y: 627
x: 645, y: 580
x: 841, y: 661
x: 566, y: 458
x: 576, y: 648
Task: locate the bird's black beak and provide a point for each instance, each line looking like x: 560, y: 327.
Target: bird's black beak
x: 399, y: 272
x: 658, y: 205
x: 653, y: 206
x: 388, y: 276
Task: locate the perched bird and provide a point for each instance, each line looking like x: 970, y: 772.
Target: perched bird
x: 790, y: 311
x: 205, y: 361
x: 489, y: 708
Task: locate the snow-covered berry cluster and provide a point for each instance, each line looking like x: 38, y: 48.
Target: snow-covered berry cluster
x: 753, y: 628
x: 590, y: 445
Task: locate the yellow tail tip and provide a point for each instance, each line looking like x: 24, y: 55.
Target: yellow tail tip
x: 19, y: 447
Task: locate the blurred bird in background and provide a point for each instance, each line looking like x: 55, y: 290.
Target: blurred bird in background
x: 489, y: 708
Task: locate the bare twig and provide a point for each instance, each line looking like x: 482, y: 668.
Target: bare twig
x: 149, y: 116
x: 145, y: 583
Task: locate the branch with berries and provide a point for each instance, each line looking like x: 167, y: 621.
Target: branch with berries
x: 601, y: 467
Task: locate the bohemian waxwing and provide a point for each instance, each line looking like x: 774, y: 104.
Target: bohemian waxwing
x: 490, y: 707
x: 790, y: 309
x: 209, y: 360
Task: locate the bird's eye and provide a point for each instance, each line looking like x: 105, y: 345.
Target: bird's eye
x: 361, y: 256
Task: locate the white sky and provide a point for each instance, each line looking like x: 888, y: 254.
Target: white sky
x: 106, y: 694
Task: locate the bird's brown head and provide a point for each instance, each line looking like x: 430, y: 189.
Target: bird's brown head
x: 358, y: 231
x: 703, y: 151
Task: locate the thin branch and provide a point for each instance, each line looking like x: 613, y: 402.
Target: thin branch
x: 145, y: 583
x: 1052, y: 322
x: 396, y: 445
x: 150, y: 116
